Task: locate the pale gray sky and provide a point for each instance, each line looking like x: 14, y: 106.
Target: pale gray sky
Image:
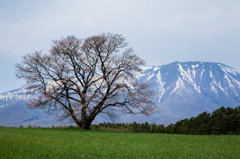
x: 160, y: 31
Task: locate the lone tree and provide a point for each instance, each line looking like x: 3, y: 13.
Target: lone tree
x: 84, y: 78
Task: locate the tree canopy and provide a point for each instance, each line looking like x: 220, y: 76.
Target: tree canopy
x: 84, y: 78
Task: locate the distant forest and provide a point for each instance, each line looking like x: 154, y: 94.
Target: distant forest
x: 223, y: 121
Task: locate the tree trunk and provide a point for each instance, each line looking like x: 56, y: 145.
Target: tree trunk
x: 85, y: 121
x: 85, y: 124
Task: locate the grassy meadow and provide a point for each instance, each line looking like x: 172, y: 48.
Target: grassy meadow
x: 74, y: 143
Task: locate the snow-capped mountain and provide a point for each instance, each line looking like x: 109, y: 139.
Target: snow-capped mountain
x: 185, y: 89
x: 182, y: 90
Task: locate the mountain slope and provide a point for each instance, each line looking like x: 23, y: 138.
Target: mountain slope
x: 182, y: 90
x: 185, y: 89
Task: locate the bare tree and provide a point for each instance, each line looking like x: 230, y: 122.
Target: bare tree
x: 83, y: 78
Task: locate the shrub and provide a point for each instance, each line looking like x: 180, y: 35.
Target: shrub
x: 20, y: 126
x: 230, y: 133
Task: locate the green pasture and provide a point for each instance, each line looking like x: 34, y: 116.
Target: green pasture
x: 30, y: 143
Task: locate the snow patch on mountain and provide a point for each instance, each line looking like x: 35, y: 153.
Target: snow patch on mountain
x: 219, y: 84
x: 229, y: 70
x: 179, y: 84
x: 161, y: 85
x: 190, y: 76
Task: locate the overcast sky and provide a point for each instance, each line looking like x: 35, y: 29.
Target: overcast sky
x: 159, y: 31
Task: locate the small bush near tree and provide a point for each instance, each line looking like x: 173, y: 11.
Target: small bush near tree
x: 21, y: 126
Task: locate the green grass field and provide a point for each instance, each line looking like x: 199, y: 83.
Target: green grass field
x: 73, y: 143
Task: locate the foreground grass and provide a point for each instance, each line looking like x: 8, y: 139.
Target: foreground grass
x: 71, y: 143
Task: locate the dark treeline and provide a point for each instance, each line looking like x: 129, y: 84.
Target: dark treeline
x: 221, y: 121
